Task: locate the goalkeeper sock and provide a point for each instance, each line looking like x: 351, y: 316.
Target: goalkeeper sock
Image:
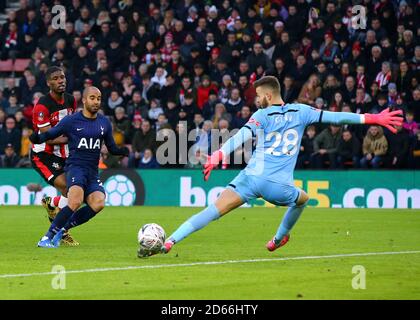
x: 292, y: 215
x: 59, y: 221
x: 81, y: 216
x: 196, y: 222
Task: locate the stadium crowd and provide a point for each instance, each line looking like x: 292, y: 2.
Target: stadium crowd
x: 161, y: 62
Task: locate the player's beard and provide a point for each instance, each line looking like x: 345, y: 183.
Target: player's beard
x: 93, y: 109
x: 264, y: 103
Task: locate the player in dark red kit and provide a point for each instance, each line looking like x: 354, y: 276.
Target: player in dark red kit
x: 48, y: 158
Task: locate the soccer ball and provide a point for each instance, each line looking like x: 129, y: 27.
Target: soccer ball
x: 151, y: 238
x: 120, y: 191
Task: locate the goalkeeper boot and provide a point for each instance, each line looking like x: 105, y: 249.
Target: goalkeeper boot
x: 45, y: 242
x: 167, y: 246
x: 274, y: 244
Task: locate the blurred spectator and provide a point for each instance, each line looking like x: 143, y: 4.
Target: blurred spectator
x: 12, y: 41
x: 209, y: 106
x: 220, y: 113
x: 241, y: 118
x: 375, y: 147
x: 9, y: 159
x: 204, y: 90
x: 225, y: 88
x: 128, y: 87
x: 328, y: 49
x: 137, y: 105
x: 258, y: 58
x: 398, y: 148
x: 114, y: 101
x: 11, y: 89
x: 330, y: 87
x: 159, y: 77
x: 135, y: 126
x: 382, y: 104
x: 414, y: 104
x: 20, y: 120
x: 325, y: 146
x: 148, y: 160
x: 162, y: 122
x: 289, y: 91
x: 121, y: 121
x: 235, y: 103
x: 186, y: 88
x: 143, y: 139
x: 410, y: 125
x: 306, y: 152
x: 13, y: 106
x: 9, y: 134
x: 337, y: 102
x: 154, y: 111
x: 348, y: 150
x: 30, y: 89
x: 404, y: 76
x: 310, y: 91
x: 384, y: 76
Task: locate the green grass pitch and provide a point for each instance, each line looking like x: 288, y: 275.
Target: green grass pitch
x: 315, y: 264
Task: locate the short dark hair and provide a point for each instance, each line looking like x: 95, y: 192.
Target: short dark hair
x: 52, y: 70
x: 270, y: 82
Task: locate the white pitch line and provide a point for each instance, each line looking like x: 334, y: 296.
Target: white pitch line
x: 210, y: 263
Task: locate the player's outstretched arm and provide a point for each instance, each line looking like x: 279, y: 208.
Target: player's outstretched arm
x: 243, y: 135
x: 111, y: 145
x: 386, y: 118
x: 50, y: 134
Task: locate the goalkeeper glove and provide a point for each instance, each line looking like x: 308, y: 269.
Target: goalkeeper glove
x: 212, y: 162
x: 386, y: 118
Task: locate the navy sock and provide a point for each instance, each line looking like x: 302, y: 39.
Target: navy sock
x: 81, y: 216
x: 60, y: 220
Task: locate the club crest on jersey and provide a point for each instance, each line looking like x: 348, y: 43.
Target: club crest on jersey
x: 55, y: 165
x: 102, y: 130
x: 254, y: 121
x: 89, y: 143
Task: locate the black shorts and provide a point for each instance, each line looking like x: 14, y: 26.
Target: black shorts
x: 49, y: 166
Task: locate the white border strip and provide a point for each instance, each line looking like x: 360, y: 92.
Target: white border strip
x: 158, y: 266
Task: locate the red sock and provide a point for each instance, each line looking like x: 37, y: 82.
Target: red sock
x: 56, y: 200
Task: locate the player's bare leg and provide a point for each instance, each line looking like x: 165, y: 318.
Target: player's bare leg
x: 227, y: 201
x: 96, y: 200
x: 292, y: 215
